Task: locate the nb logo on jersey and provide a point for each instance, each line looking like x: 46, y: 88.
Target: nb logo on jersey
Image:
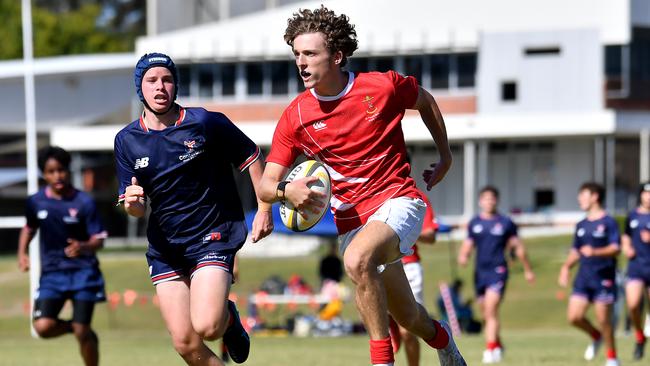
x: 319, y: 125
x: 141, y: 163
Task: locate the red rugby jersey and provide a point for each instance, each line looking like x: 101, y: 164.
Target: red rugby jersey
x: 358, y: 136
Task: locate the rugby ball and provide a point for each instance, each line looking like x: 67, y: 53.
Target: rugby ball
x: 290, y: 216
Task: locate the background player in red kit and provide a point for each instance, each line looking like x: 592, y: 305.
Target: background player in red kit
x: 352, y: 123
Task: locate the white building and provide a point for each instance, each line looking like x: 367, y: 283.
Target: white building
x: 538, y: 96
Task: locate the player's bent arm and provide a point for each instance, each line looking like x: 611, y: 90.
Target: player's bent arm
x: 25, y: 237
x: 297, y: 191
x: 612, y: 250
x: 134, y: 199
x: 273, y: 174
x: 433, y: 120
x: 465, y: 251
x: 626, y: 245
x: 256, y: 170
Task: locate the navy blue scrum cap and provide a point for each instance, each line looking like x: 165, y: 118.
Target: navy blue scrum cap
x: 149, y: 60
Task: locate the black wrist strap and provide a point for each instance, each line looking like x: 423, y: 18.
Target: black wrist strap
x: 281, y: 187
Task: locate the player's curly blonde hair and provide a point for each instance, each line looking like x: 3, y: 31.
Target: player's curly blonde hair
x: 339, y: 33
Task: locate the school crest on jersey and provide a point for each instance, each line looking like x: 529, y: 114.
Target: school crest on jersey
x: 634, y: 223
x: 371, y: 109
x: 42, y: 214
x: 581, y: 232
x: 497, y: 229
x: 477, y: 229
x: 599, y: 232
x: 72, y: 216
x: 193, y: 148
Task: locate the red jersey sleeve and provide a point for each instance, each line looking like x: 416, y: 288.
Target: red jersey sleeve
x: 406, y: 89
x: 283, y: 148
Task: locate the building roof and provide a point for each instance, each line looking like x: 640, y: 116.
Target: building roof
x: 69, y: 64
x: 382, y: 27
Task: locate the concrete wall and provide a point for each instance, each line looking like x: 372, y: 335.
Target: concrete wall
x: 570, y: 80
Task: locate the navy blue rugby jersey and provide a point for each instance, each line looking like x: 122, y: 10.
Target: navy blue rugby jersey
x: 599, y: 234
x: 490, y: 237
x: 634, y: 224
x: 74, y: 216
x: 186, y: 173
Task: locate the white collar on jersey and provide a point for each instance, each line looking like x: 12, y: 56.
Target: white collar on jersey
x: 329, y: 98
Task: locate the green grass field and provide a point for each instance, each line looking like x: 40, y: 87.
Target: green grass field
x: 534, y: 329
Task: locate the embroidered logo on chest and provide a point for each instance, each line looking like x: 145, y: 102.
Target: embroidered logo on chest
x: 372, y: 111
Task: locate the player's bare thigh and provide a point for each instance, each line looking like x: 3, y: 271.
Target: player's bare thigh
x: 376, y: 243
x: 208, y: 301
x: 174, y: 297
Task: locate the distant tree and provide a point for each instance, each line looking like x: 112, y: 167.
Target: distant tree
x: 66, y: 27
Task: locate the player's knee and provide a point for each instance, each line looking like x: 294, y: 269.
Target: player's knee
x: 186, y: 347
x: 574, y: 319
x: 358, y: 267
x: 44, y: 327
x: 210, y: 331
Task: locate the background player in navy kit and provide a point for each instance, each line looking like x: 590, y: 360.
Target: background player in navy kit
x: 636, y: 247
x: 71, y: 233
x: 595, y: 247
x: 181, y: 160
x: 492, y: 234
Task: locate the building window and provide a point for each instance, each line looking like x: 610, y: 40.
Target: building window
x: 280, y: 77
x: 254, y: 78
x: 206, y: 80
x: 184, y: 80
x: 357, y: 64
x: 466, y: 68
x: 413, y: 67
x: 508, y: 91
x: 542, y: 51
x: 228, y: 77
x: 439, y: 71
x: 383, y: 64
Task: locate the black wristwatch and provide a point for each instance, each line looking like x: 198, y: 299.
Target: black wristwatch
x: 281, y: 186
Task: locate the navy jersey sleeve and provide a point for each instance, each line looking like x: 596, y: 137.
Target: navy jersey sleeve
x: 94, y: 225
x: 470, y: 231
x: 512, y: 229
x: 30, y: 214
x: 576, y: 240
x: 240, y: 150
x: 124, y: 170
x: 613, y: 233
x: 628, y: 229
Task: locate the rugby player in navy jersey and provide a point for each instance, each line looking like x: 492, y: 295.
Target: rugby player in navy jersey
x: 71, y: 233
x: 636, y: 247
x: 179, y: 162
x: 492, y: 234
x: 595, y: 248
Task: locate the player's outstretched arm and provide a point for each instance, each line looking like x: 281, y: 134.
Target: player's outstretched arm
x: 430, y: 114
x: 25, y: 237
x: 263, y: 221
x: 134, y: 199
